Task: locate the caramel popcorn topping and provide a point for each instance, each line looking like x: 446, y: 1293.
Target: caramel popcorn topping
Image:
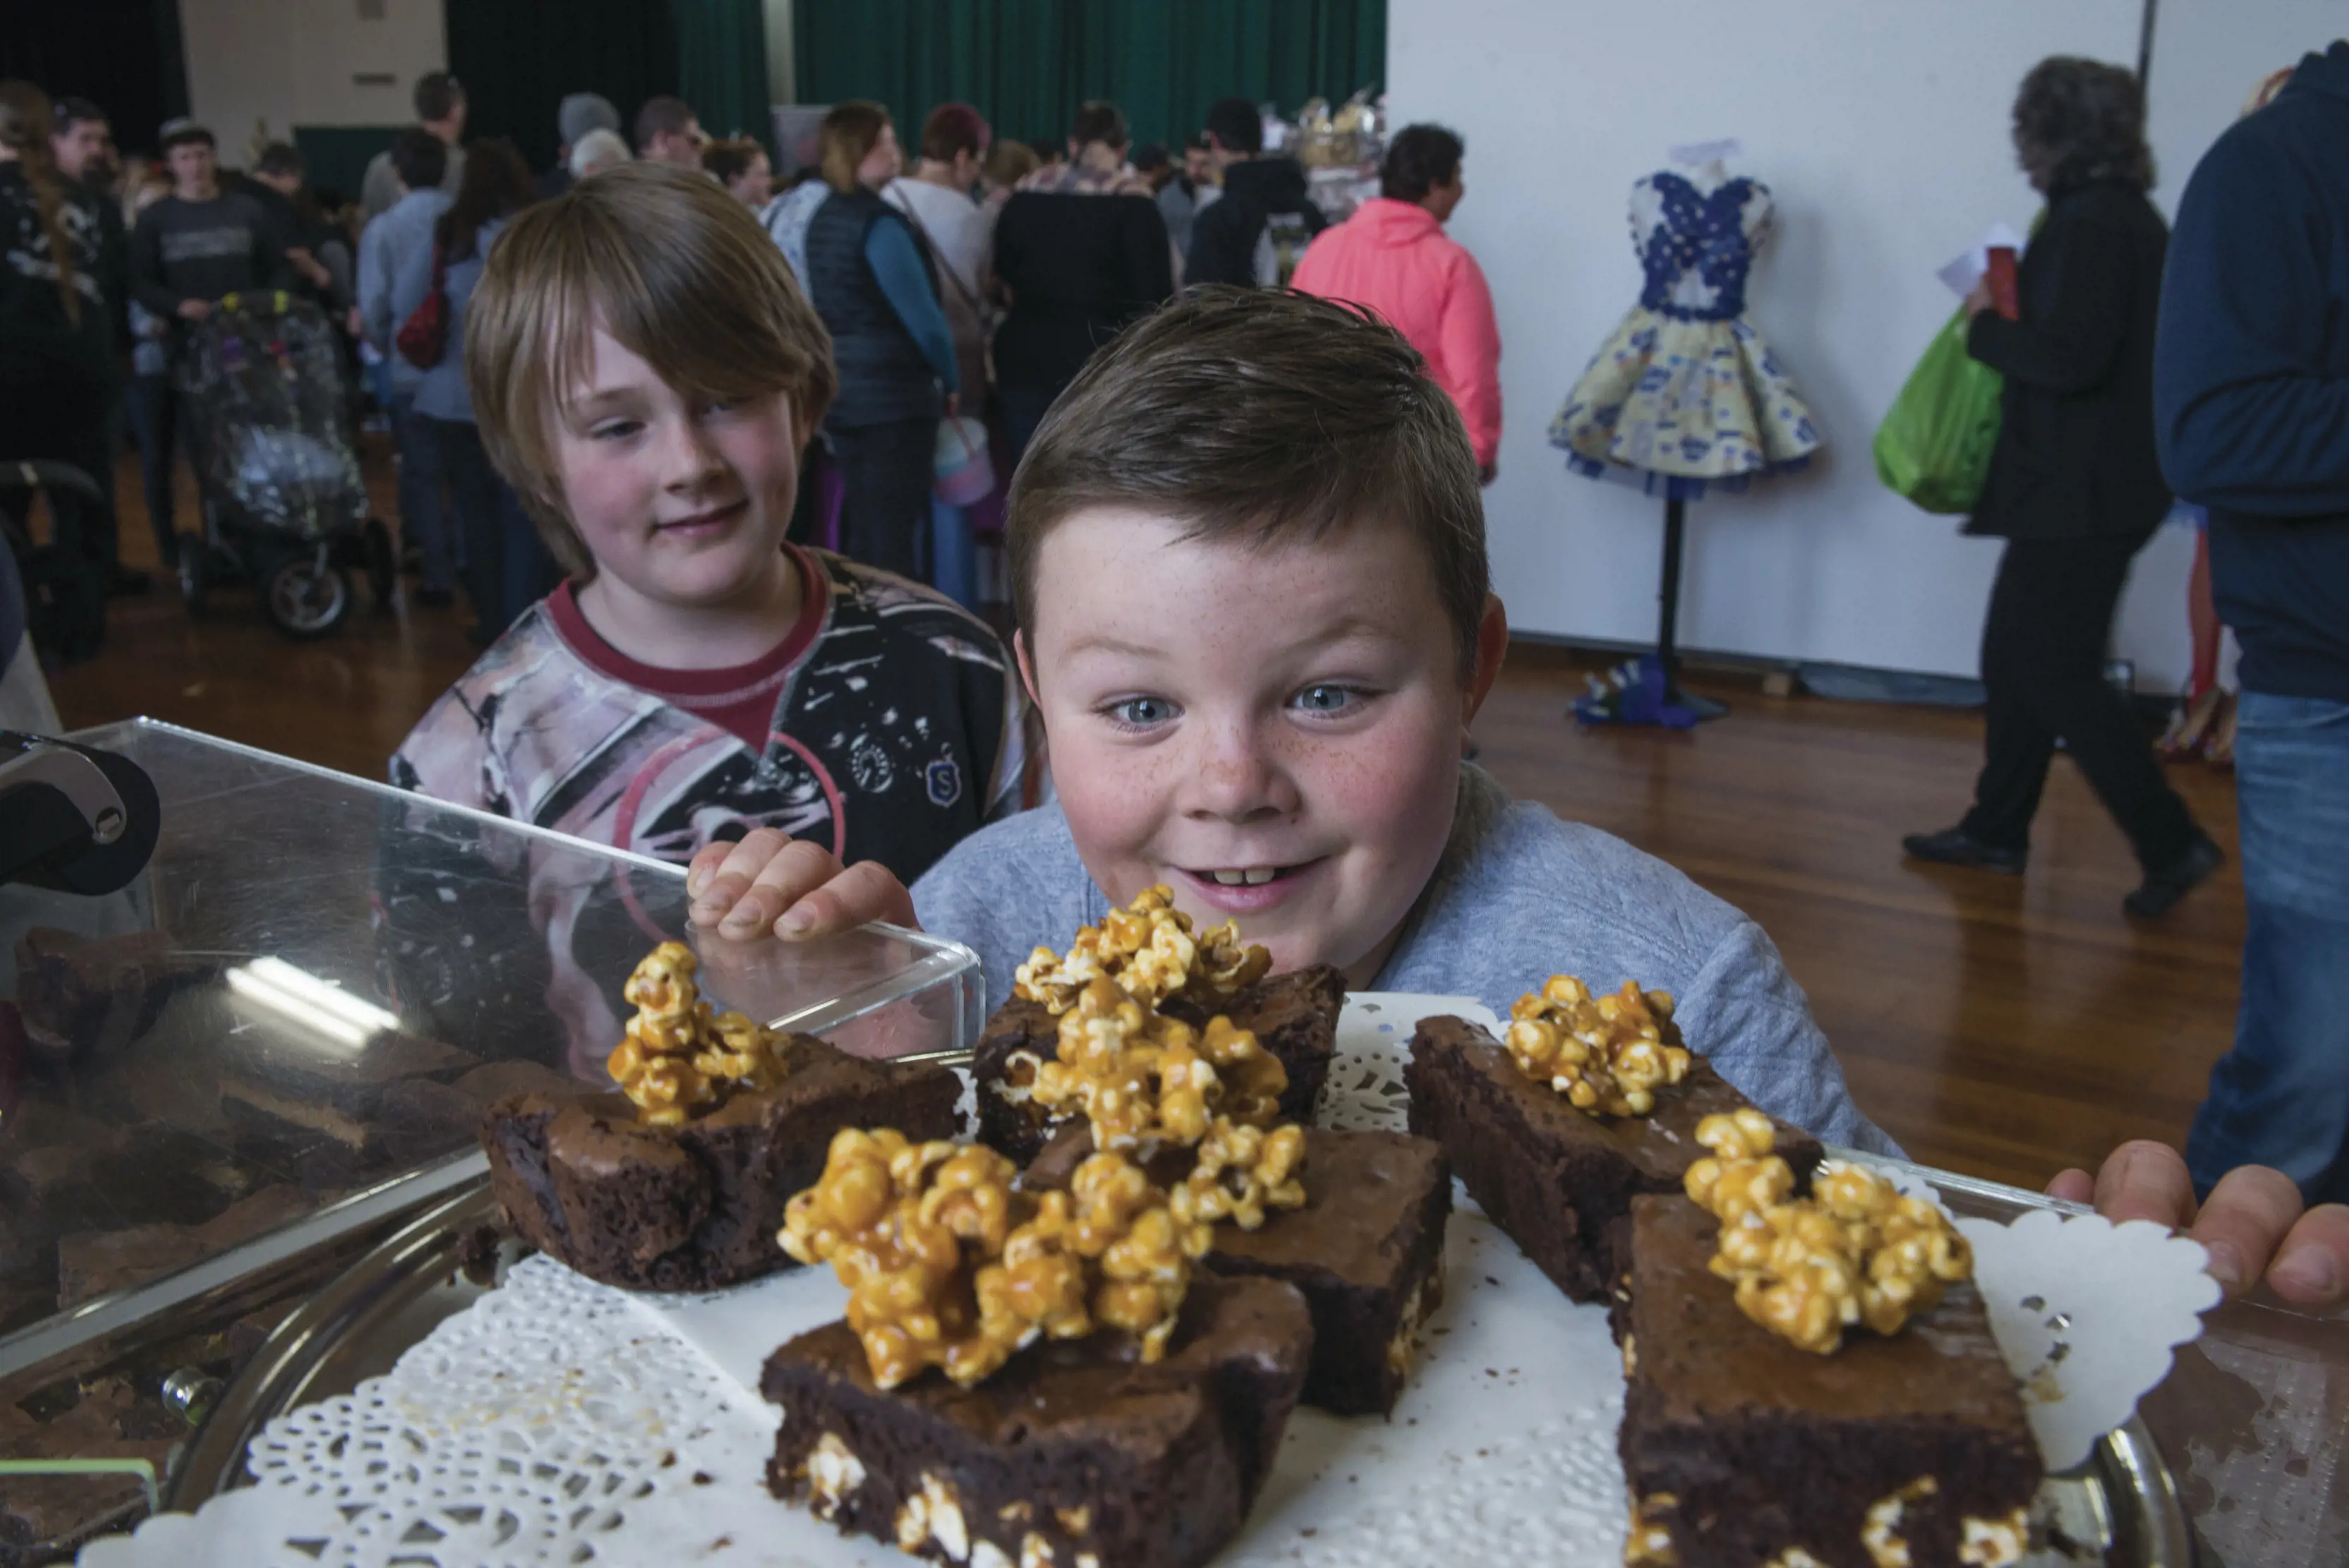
x: 948, y: 1266
x: 1609, y: 1055
x: 1138, y: 1075
x: 1856, y: 1252
x: 1149, y: 949
x: 676, y: 1057
x: 1242, y: 1171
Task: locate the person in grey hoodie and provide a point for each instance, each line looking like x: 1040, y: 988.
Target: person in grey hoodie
x: 398, y: 235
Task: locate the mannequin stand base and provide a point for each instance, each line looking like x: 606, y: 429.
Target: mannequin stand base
x: 1703, y: 707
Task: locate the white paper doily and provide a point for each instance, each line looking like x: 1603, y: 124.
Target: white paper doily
x: 560, y: 1421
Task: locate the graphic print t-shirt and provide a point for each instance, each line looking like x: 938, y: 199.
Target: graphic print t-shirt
x: 888, y: 726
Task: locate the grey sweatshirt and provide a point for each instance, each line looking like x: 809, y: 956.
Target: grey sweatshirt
x: 204, y: 250
x: 1517, y: 896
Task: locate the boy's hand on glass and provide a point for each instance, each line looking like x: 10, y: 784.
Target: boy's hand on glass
x: 2253, y: 1226
x: 798, y: 889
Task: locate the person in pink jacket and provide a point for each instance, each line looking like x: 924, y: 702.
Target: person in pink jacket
x: 1394, y: 256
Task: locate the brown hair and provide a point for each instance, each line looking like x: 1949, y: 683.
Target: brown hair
x: 680, y: 271
x: 1009, y: 162
x: 952, y: 129
x: 2079, y: 119
x: 727, y: 161
x: 25, y: 125
x: 850, y: 131
x: 496, y: 185
x: 1258, y: 415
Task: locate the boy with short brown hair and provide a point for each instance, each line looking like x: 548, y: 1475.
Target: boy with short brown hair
x: 646, y: 372
x: 1248, y: 548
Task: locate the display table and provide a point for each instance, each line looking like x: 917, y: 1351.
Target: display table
x: 240, y: 1074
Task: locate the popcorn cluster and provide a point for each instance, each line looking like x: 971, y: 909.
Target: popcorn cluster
x: 948, y: 1266
x: 1856, y: 1252
x: 1149, y: 950
x: 1609, y: 1055
x: 677, y: 1058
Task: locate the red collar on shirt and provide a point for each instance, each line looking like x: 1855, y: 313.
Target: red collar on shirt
x: 705, y: 691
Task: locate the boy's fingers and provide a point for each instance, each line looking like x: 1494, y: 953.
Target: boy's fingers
x: 2250, y: 1211
x: 866, y: 891
x: 2074, y: 1186
x: 704, y: 866
x: 788, y: 874
x: 726, y: 871
x: 2311, y: 1267
x: 2145, y: 1181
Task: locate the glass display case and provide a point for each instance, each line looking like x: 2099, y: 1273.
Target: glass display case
x: 220, y: 1085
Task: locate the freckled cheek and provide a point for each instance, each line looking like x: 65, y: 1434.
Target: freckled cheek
x: 1384, y: 786
x: 1116, y: 798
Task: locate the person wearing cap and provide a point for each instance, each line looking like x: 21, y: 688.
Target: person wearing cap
x: 579, y: 114
x: 191, y: 248
x: 440, y: 110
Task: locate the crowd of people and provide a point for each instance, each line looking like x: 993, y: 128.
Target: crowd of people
x: 685, y: 430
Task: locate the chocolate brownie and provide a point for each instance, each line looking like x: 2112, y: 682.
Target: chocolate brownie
x: 1367, y: 1251
x: 1742, y: 1446
x: 1294, y: 1016
x: 1549, y: 1175
x: 1075, y: 1452
x: 695, y: 1207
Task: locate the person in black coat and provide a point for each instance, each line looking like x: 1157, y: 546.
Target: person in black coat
x: 1079, y: 252
x: 2073, y: 487
x: 1254, y: 236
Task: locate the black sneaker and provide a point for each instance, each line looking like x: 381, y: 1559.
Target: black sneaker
x: 127, y: 582
x: 1956, y: 846
x: 2163, y: 889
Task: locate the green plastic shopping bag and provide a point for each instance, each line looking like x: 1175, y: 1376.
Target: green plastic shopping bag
x: 1934, y: 444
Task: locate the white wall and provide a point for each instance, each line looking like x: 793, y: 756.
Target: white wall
x: 295, y: 62
x: 1882, y: 130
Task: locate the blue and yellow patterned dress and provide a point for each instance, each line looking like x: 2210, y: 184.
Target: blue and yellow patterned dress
x: 1686, y: 396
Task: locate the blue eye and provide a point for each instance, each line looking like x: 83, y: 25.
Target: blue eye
x: 1141, y: 713
x: 617, y: 430
x: 1326, y: 698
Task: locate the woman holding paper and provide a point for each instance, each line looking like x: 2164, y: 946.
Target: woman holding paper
x: 2074, y: 486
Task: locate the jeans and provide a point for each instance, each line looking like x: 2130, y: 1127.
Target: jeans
x: 954, y: 554
x: 478, y: 502
x: 154, y: 406
x: 2280, y: 1097
x: 884, y: 504
x: 423, y: 516
x: 1024, y: 409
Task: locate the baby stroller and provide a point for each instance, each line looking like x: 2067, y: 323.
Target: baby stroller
x: 283, y: 499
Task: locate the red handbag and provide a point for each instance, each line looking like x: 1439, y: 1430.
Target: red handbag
x: 423, y: 338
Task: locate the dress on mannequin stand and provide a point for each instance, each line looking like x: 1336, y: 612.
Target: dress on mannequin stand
x: 1685, y: 398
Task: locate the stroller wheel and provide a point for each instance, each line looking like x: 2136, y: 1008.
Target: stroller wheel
x: 382, y: 562
x: 305, y: 596
x: 195, y: 572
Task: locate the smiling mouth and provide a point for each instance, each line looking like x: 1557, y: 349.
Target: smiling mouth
x: 1248, y: 876
x: 704, y: 519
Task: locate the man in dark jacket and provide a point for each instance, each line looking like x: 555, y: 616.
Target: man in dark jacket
x: 1256, y: 234
x: 2251, y: 411
x: 188, y: 250
x: 2073, y: 488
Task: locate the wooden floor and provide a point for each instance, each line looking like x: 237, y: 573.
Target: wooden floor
x: 1998, y: 1026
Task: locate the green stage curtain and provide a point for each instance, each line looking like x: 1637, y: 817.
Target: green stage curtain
x: 518, y: 59
x: 722, y: 65
x: 1027, y: 64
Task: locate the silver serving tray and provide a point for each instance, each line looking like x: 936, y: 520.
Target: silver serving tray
x: 2121, y: 1508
